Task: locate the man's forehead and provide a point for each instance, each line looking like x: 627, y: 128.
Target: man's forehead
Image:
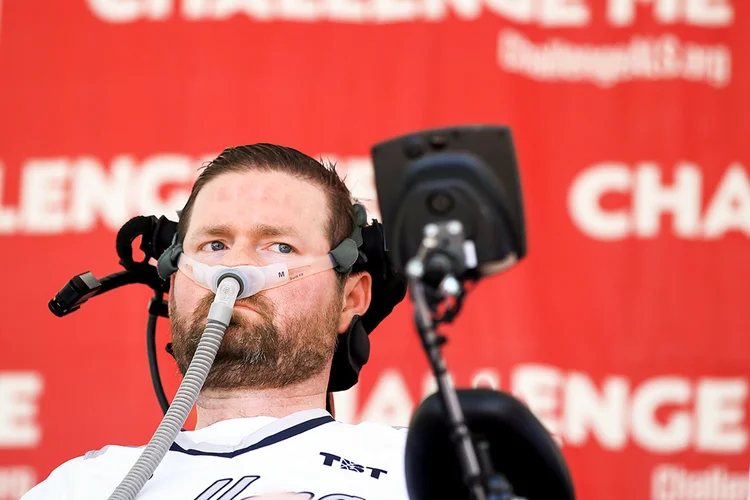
x: 257, y: 197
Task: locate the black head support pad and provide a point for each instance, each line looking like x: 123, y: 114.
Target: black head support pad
x: 388, y: 289
x: 364, y: 250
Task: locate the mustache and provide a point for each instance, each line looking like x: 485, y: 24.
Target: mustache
x: 259, y: 302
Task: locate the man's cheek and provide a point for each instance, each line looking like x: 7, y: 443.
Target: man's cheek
x: 186, y: 293
x: 296, y: 297
x: 309, y: 294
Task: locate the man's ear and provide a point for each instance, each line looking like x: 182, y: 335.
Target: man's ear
x: 357, y: 297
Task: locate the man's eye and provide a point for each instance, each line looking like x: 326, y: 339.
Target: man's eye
x: 283, y: 247
x: 214, y: 246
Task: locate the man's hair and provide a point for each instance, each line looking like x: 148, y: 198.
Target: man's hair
x: 273, y: 158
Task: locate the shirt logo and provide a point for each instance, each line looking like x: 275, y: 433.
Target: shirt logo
x: 329, y: 459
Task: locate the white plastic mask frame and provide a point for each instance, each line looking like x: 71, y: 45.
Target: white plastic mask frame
x: 254, y: 279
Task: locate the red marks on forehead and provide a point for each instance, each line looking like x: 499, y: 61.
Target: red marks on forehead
x: 245, y: 199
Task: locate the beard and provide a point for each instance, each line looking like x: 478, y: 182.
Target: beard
x: 256, y: 351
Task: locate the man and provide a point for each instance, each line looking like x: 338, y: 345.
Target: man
x: 262, y: 427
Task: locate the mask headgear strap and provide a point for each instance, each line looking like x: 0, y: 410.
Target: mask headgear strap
x: 345, y: 255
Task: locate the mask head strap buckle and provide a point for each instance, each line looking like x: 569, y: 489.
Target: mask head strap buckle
x: 166, y: 266
x: 349, y: 251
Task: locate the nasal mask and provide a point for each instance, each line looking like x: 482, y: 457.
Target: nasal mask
x: 252, y: 279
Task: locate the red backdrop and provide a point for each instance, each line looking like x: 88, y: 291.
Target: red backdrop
x: 625, y: 329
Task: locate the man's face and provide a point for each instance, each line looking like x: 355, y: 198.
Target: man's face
x: 279, y: 336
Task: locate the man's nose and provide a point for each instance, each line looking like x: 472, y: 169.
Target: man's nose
x: 243, y: 254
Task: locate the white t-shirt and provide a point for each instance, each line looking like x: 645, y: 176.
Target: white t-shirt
x: 306, y: 452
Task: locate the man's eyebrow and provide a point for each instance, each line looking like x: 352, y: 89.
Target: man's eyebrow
x: 264, y: 230
x: 214, y: 230
x: 269, y: 230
